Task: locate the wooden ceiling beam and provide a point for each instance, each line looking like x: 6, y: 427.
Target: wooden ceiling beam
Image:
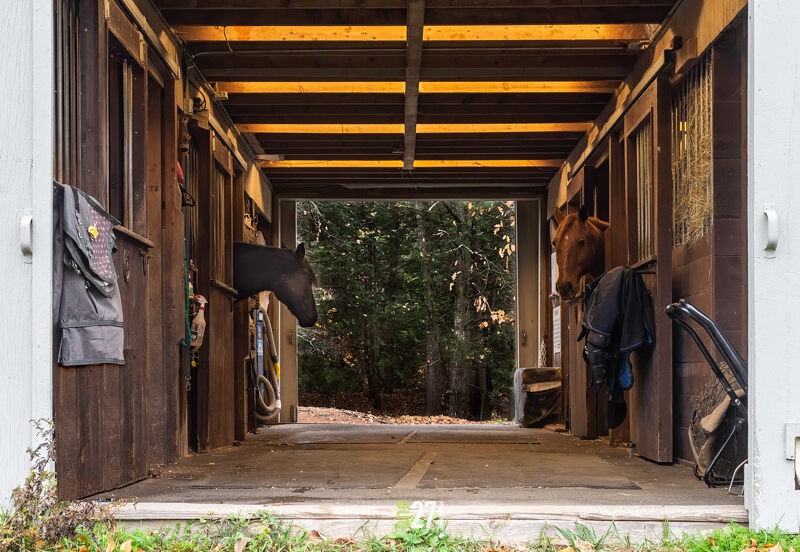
x: 396, y: 33
x: 512, y: 87
x: 311, y: 87
x: 414, y: 24
x: 322, y: 128
x: 408, y: 193
x: 295, y: 33
x: 418, y: 163
x: 426, y: 87
x: 528, y: 33
x: 465, y: 128
x: 528, y: 15
x: 428, y: 128
x: 373, y: 116
x: 475, y: 102
x: 278, y: 5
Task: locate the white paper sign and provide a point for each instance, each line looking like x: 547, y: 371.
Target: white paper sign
x: 556, y: 330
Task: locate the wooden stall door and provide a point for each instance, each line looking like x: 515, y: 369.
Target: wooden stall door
x: 216, y: 373
x: 582, y: 402
x: 101, y: 411
x: 648, y: 192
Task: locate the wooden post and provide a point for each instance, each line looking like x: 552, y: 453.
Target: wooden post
x: 528, y: 326
x: 288, y: 327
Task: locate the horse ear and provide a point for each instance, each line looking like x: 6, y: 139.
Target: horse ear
x: 599, y: 224
x: 300, y: 252
x: 558, y: 216
x: 583, y: 213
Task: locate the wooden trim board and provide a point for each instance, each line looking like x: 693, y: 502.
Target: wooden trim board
x: 518, y: 524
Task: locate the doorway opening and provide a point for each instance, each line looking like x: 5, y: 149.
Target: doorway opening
x: 417, y: 310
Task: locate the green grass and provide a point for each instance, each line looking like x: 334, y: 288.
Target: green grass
x: 265, y: 533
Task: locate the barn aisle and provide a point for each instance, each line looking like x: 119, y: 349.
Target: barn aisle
x: 340, y: 476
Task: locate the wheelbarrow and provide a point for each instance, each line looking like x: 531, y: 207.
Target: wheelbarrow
x: 721, y: 407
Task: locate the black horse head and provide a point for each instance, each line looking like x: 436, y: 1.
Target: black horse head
x: 286, y: 273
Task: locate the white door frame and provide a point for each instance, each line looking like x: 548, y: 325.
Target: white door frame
x: 26, y: 172
x: 529, y: 282
x: 773, y: 292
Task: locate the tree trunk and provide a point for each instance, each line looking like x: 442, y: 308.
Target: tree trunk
x: 434, y: 369
x: 461, y: 373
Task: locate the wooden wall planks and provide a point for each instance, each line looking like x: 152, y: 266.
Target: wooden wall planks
x: 113, y: 422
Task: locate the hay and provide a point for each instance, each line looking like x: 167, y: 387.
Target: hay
x: 692, y: 156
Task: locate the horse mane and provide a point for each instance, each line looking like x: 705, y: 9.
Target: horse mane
x: 310, y: 271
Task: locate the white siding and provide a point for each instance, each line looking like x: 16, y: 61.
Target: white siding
x: 774, y: 294
x: 26, y: 152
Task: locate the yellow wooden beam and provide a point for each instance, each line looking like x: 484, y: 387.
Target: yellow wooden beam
x: 298, y: 33
x: 430, y: 87
x: 455, y: 128
x: 423, y: 128
x: 625, y: 33
x: 334, y: 164
x: 397, y: 33
x: 524, y: 87
x: 323, y: 128
x: 418, y: 163
x: 486, y: 163
x: 312, y: 87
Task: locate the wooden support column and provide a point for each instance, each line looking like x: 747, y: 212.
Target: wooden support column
x: 415, y: 22
x: 529, y: 225
x: 288, y: 323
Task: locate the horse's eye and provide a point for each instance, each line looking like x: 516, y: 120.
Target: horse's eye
x: 581, y: 241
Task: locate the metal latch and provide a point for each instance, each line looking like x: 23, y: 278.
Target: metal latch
x: 792, y: 449
x: 772, y: 230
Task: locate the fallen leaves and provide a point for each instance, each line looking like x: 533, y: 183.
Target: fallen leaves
x: 240, y: 544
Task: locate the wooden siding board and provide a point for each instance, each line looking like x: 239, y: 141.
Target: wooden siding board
x: 205, y: 167
x: 159, y: 447
x: 172, y: 281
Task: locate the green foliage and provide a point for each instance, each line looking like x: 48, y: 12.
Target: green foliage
x: 372, y: 301
x: 37, y: 518
x: 583, y: 536
x: 736, y: 538
x: 420, y: 535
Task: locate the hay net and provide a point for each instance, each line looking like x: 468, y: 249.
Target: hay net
x: 692, y: 155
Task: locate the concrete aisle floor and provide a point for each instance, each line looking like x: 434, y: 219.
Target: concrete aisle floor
x: 316, y: 463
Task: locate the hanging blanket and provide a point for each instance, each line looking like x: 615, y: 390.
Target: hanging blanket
x: 618, y: 320
x: 86, y: 302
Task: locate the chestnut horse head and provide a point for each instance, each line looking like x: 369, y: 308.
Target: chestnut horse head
x: 579, y: 246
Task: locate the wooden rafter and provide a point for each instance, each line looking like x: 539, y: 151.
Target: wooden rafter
x: 511, y: 87
x: 428, y: 128
x: 282, y: 33
x: 427, y: 87
x: 323, y: 128
x: 418, y: 163
x: 626, y: 33
x: 312, y: 87
x: 415, y: 23
x: 466, y: 128
x: 396, y: 33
